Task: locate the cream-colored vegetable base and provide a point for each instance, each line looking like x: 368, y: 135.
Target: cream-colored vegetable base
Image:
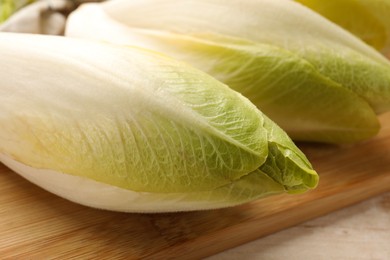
x: 99, y: 195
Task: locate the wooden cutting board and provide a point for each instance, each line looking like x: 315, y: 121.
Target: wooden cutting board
x: 35, y: 224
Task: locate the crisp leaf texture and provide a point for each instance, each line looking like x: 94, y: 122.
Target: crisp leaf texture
x: 137, y: 121
x: 317, y: 81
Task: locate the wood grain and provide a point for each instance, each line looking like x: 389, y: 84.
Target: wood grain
x: 37, y: 224
x: 361, y: 231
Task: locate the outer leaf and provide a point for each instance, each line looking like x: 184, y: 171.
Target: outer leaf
x: 281, y: 162
x: 314, y: 79
x: 131, y: 120
x: 100, y: 195
x: 367, y: 19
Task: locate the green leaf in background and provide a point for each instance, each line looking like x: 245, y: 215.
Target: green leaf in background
x: 8, y: 7
x: 316, y: 80
x: 367, y: 19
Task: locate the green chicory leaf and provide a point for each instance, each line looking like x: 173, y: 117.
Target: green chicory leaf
x: 367, y: 19
x: 316, y: 80
x: 127, y: 129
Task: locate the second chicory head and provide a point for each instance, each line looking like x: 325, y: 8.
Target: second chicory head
x: 317, y: 81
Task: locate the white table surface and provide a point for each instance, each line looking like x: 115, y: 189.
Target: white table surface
x: 361, y: 231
